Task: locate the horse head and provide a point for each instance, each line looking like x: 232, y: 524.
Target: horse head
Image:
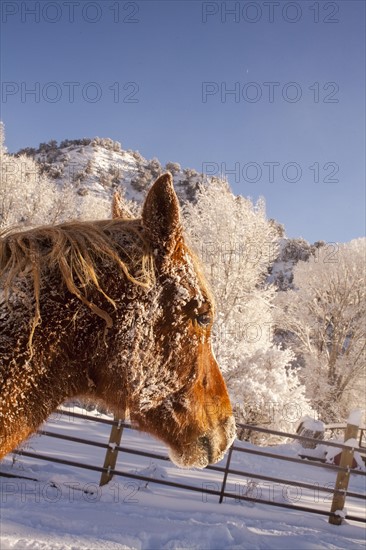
x: 180, y: 395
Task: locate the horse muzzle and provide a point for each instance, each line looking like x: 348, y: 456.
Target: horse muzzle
x: 209, y: 448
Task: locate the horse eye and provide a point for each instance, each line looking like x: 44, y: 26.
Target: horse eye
x: 203, y: 319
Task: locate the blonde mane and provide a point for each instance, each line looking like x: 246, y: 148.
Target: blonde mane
x: 73, y: 249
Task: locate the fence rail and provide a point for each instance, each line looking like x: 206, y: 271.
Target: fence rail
x: 226, y: 471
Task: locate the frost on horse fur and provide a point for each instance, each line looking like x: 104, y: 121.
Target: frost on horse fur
x: 119, y: 312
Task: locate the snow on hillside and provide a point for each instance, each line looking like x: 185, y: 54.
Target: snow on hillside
x: 86, y: 167
x: 101, y: 166
x: 54, y: 513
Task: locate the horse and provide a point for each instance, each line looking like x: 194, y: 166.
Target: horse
x: 117, y: 311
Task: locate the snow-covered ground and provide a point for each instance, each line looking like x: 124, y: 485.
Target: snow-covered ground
x: 65, y: 509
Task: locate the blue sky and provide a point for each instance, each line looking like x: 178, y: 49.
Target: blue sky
x: 157, y: 76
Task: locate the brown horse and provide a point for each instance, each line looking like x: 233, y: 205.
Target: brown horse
x: 117, y: 311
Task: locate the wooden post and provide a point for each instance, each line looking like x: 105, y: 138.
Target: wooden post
x: 111, y: 454
x: 342, y: 480
x: 227, y: 468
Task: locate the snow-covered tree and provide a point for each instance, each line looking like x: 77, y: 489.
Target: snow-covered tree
x: 28, y: 196
x: 92, y: 207
x: 326, y: 314
x: 173, y: 167
x: 236, y: 244
x: 2, y: 140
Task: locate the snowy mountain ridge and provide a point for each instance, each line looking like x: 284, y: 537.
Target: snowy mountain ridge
x: 101, y: 166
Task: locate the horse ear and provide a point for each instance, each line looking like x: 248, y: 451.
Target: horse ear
x: 160, y: 213
x: 120, y: 210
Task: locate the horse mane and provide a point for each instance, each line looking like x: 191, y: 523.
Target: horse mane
x: 74, y: 249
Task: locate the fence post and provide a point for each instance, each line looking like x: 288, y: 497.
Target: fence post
x: 346, y: 461
x: 111, y: 453
x: 227, y: 468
